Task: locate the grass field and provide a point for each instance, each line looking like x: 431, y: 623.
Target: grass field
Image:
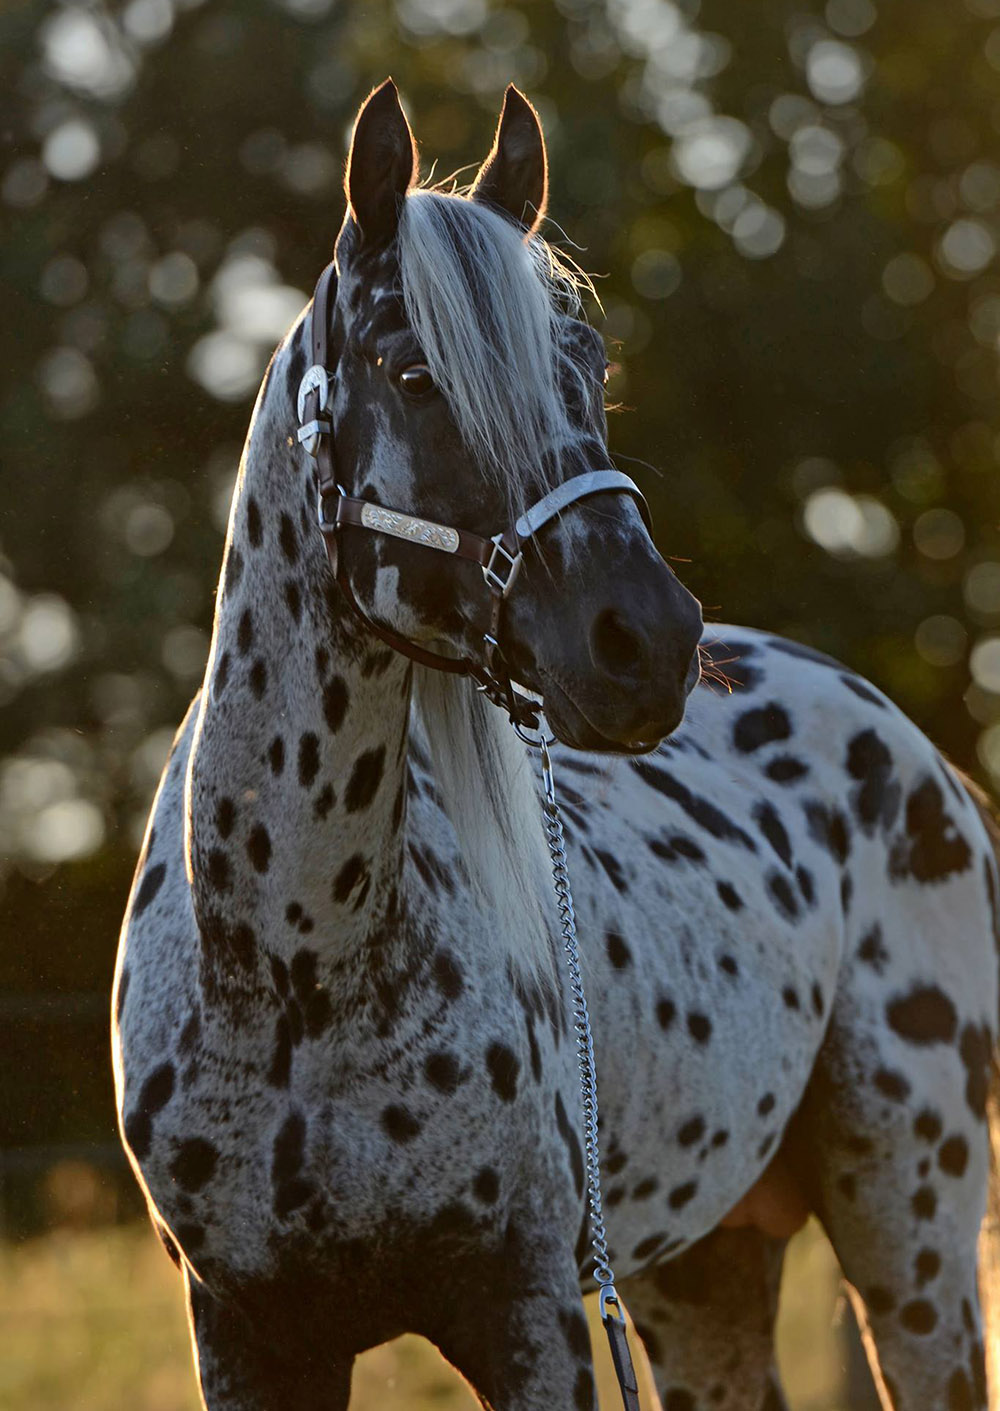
x: 95, y: 1322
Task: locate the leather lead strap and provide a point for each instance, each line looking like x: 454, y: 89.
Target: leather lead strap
x: 621, y: 1356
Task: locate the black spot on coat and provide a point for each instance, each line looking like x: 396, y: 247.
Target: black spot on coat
x: 194, y: 1164
x: 953, y: 1156
x: 892, y: 1085
x: 613, y: 868
x: 259, y: 848
x: 335, y: 699
x: 923, y: 1016
x: 353, y: 872
x: 486, y: 1186
x: 399, y: 1123
x: 618, y: 952
x: 828, y: 827
x: 974, y: 1050
x: 225, y: 817
x: 308, y: 763
x: 244, y: 632
x: 288, y: 539
x: 221, y: 677
x: 280, y: 1068
x: 919, y: 1316
x: 220, y: 874
x: 681, y: 1195
x: 785, y: 769
x: 699, y: 1027
x: 443, y: 1071
x: 762, y: 726
x: 705, y: 814
x: 447, y: 975
x: 365, y: 779
x: 729, y: 896
x: 151, y: 883
x: 862, y: 691
x: 254, y: 533
x: 666, y: 1012
x: 692, y: 1131
x: 572, y: 1141
x: 504, y: 1068
x: 780, y: 890
x: 932, y: 849
x: 290, y: 1190
x: 154, y: 1095
x: 927, y: 1125
x: 876, y: 799
x: 774, y: 831
x: 872, y: 951
x: 258, y: 678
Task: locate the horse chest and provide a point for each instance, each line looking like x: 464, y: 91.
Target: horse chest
x: 430, y: 1139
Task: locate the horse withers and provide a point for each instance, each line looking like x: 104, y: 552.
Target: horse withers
x: 343, y: 1044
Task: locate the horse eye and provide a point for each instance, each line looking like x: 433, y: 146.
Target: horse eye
x: 416, y: 380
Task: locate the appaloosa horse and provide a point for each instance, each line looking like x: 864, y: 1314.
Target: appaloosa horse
x: 343, y: 1049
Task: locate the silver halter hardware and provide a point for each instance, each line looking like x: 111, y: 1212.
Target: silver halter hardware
x: 506, y: 562
x: 316, y: 379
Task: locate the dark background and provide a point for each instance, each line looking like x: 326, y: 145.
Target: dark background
x: 795, y: 208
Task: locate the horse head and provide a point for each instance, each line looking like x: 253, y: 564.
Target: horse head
x: 465, y: 387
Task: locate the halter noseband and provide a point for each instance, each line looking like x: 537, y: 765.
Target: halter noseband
x: 499, y: 557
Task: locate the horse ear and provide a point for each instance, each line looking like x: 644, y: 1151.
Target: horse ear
x: 514, y: 177
x: 381, y: 165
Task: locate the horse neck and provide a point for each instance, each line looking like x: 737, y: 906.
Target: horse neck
x: 297, y: 779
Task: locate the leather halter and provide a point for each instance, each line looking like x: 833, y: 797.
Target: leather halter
x: 499, y: 557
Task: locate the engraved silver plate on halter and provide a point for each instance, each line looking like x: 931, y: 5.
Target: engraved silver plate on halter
x: 407, y: 526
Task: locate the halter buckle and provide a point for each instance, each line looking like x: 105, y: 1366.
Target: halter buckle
x: 315, y: 379
x: 507, y: 564
x: 327, y: 526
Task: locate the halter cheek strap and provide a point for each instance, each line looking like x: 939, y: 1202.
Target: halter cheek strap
x: 499, y: 557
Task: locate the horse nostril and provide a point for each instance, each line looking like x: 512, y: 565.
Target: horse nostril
x: 614, y: 648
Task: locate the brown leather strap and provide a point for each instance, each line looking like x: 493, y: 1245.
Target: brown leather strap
x: 457, y: 665
x: 320, y: 334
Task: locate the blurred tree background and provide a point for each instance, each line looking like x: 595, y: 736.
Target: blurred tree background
x: 795, y: 211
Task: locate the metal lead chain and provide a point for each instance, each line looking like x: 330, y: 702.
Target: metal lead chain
x: 612, y: 1314
x: 581, y: 1024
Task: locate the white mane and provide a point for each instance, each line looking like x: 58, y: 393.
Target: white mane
x: 493, y: 801
x: 483, y: 302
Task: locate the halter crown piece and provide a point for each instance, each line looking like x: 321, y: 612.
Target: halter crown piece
x: 499, y: 557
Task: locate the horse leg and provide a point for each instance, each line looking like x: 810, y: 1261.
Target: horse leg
x: 239, y: 1371
x: 894, y: 1151
x: 706, y: 1320
x: 521, y: 1338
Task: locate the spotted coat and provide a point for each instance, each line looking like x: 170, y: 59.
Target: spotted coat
x: 352, y: 1099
